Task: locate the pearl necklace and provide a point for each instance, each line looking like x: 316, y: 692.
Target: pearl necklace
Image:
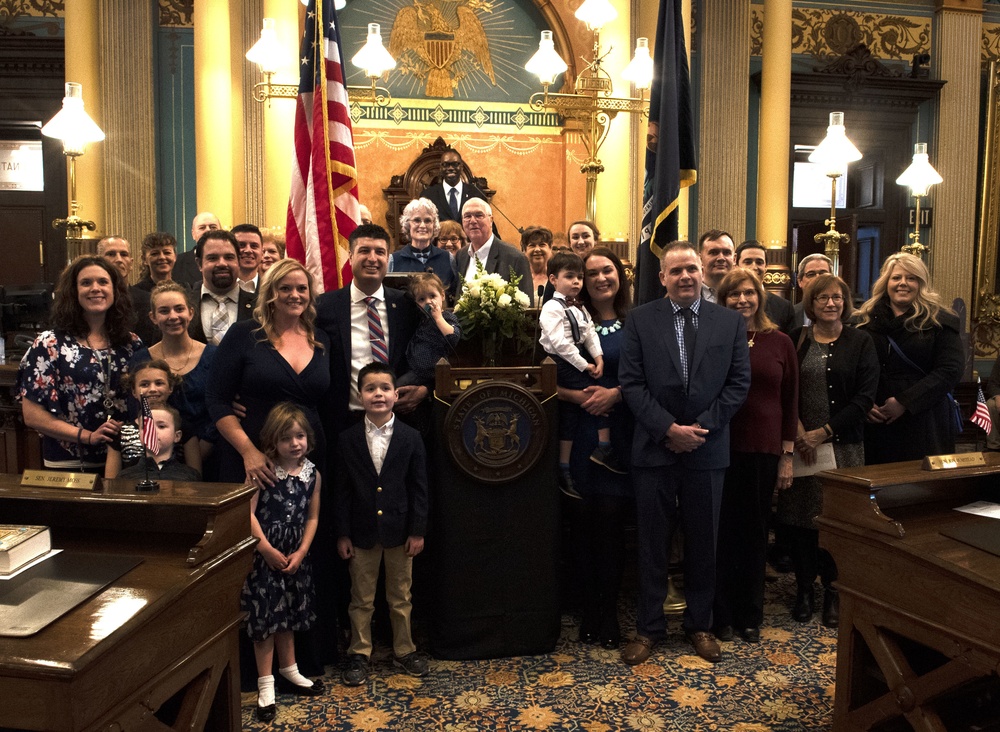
x: 609, y: 329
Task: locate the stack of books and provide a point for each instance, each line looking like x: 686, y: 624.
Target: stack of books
x: 22, y: 544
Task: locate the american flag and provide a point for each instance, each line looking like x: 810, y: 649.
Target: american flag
x: 323, y: 206
x: 149, y: 440
x: 981, y: 417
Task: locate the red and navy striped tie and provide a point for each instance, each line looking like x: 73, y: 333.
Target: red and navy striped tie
x: 375, y: 333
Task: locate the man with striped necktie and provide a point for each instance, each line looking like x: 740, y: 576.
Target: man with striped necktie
x: 366, y: 322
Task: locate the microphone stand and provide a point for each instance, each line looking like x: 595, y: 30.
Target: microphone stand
x: 519, y: 229
x: 536, y: 348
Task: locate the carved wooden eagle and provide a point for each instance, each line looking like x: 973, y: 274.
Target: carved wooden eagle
x: 422, y: 30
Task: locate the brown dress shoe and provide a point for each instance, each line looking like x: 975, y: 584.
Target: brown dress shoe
x: 706, y: 646
x: 637, y: 650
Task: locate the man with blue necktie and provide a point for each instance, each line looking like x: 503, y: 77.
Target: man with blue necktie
x: 684, y: 371
x: 451, y: 192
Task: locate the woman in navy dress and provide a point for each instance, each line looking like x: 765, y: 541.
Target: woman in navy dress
x: 279, y: 356
x: 599, y: 520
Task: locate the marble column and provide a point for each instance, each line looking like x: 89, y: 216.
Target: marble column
x: 83, y: 65
x: 126, y: 29
x: 723, y: 46
x: 213, y: 109
x: 279, y: 117
x: 955, y: 57
x: 773, y: 145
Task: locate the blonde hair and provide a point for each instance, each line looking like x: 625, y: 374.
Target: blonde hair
x: 161, y: 288
x: 736, y: 277
x: 424, y: 281
x: 927, y: 305
x: 263, y: 311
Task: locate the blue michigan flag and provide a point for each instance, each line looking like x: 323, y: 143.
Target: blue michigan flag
x: 671, y: 161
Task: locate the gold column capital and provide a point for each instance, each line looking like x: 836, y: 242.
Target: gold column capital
x: 961, y: 6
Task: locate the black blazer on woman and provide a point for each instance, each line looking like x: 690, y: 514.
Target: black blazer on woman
x: 927, y: 427
x: 852, y: 377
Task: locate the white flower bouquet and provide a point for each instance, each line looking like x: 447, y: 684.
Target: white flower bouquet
x: 493, y: 310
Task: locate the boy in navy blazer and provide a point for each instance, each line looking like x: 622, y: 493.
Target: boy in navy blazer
x: 381, y: 515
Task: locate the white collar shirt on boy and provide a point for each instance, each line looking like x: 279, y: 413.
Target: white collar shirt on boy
x: 378, y: 440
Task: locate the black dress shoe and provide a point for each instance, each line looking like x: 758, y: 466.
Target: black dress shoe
x: 590, y: 626
x: 804, y: 606
x: 750, y: 635
x: 266, y: 714
x: 611, y: 632
x: 287, y: 687
x: 831, y: 608
x: 723, y: 632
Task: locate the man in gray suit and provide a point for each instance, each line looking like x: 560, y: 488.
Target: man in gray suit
x: 684, y: 371
x: 497, y: 256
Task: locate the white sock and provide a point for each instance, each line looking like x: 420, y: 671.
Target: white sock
x: 265, y: 691
x: 291, y: 673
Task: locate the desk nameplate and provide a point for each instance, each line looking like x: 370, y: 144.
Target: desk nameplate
x: 958, y: 460
x: 58, y: 479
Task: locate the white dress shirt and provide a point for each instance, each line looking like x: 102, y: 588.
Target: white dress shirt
x: 232, y: 305
x: 556, y: 333
x: 361, y: 346
x: 378, y: 439
x: 481, y: 255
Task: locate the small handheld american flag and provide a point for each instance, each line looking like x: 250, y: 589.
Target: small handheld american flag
x: 149, y: 440
x: 981, y: 417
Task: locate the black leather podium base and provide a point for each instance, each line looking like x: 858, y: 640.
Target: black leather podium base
x: 495, y: 513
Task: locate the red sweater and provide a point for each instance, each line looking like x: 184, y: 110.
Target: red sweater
x: 771, y: 412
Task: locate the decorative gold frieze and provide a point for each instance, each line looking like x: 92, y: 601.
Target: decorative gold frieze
x: 177, y: 13
x: 827, y: 33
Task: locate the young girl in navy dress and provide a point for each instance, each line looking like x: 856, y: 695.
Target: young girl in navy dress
x: 279, y: 593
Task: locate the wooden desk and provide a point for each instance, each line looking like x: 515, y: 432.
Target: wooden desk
x: 158, y: 648
x: 919, y: 643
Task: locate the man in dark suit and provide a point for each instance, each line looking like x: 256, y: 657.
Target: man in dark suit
x: 219, y: 301
x: 497, y: 256
x: 343, y: 314
x: 684, y: 371
x: 186, y: 267
x: 116, y: 250
x: 752, y: 255
x: 451, y: 193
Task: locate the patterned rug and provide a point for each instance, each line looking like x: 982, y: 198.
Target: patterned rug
x: 784, y: 683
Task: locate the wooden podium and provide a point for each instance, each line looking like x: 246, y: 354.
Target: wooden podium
x: 919, y: 643
x: 155, y: 650
x: 493, y: 542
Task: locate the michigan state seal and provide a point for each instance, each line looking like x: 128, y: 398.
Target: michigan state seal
x: 496, y: 431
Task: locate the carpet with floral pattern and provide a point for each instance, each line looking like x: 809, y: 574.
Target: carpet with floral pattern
x: 784, y: 683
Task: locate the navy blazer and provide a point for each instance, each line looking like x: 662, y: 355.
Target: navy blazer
x: 333, y: 315
x: 652, y: 380
x: 501, y: 259
x: 381, y: 508
x: 439, y: 262
x: 244, y: 311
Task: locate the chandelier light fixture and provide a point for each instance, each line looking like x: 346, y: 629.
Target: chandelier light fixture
x: 919, y: 177
x: 833, y: 155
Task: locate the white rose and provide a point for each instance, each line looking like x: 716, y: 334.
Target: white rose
x: 474, y: 290
x: 522, y: 299
x: 504, y: 300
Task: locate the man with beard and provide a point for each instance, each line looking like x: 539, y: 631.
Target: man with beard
x: 186, y: 267
x: 220, y: 300
x: 717, y: 258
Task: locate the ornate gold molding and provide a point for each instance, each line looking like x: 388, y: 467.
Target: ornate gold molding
x: 825, y: 34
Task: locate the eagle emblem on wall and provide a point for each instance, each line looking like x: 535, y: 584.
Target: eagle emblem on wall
x: 442, y: 41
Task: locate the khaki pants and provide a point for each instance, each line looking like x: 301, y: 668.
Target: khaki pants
x: 364, y: 568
